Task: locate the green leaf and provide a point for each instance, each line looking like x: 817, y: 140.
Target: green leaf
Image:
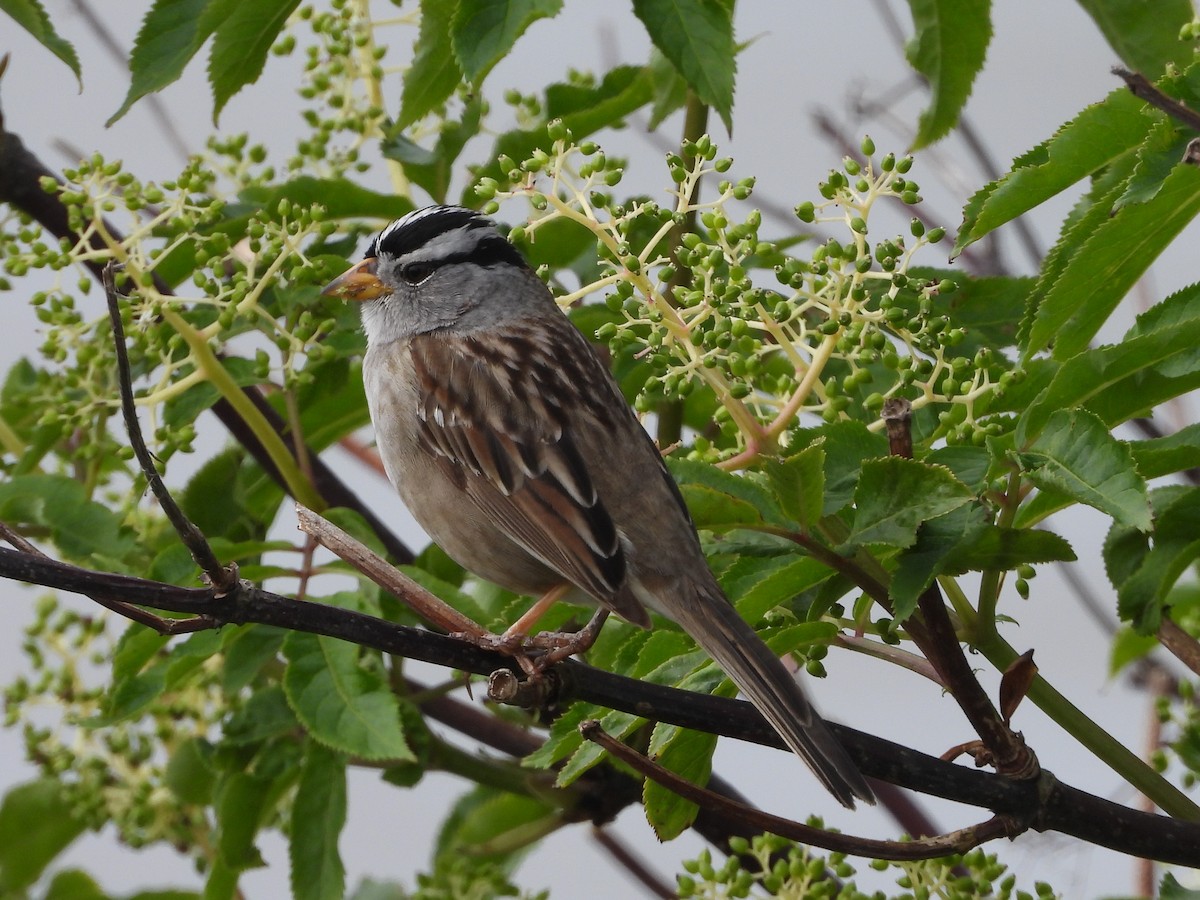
x: 622, y: 91
x: 989, y: 308
x: 994, y: 547
x: 32, y: 16
x: 1110, y: 262
x: 484, y: 31
x: 1153, y: 573
x: 74, y: 884
x: 170, y: 35
x: 970, y: 465
x: 799, y: 483
x: 949, y: 45
x: 340, y: 198
x: 242, y: 802
x: 243, y: 40
x: 689, y: 755
x: 758, y: 585
x: 1085, y: 218
x: 433, y: 169
x: 318, y: 816
x: 84, y: 530
x: 434, y: 73
x: 697, y: 37
x: 1144, y: 35
x: 1128, y: 647
x: 670, y: 89
x: 690, y: 473
x: 191, y: 773
x: 481, y: 818
x: 716, y: 510
x: 926, y: 558
x: 1157, y: 360
x: 37, y: 823
x: 1077, y: 455
x: 895, y: 495
x: 1096, y: 137
x: 341, y: 703
x: 847, y: 445
x: 1165, y: 455
x: 266, y: 715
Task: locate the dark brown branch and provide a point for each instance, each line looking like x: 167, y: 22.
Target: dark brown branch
x: 922, y: 848
x: 219, y: 576
x: 1184, y: 647
x: 1144, y: 89
x: 939, y: 642
x: 1048, y: 805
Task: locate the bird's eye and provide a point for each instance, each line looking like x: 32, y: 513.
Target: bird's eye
x: 416, y: 272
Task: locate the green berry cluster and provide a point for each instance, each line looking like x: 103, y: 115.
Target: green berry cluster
x: 793, y: 871
x: 117, y: 774
x: 701, y: 294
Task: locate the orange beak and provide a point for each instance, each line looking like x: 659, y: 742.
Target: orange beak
x: 356, y: 283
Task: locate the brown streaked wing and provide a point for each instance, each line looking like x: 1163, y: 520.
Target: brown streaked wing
x: 502, y: 434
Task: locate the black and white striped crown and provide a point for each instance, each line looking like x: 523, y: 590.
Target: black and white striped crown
x: 440, y: 235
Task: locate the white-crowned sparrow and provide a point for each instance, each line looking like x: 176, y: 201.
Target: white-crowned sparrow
x: 511, y: 444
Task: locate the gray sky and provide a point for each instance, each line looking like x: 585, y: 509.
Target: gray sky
x: 1046, y: 62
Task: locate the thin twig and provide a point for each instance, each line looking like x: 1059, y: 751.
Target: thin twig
x: 921, y: 848
x: 1144, y: 89
x: 632, y: 863
x: 425, y: 604
x: 1184, y: 647
x: 221, y: 577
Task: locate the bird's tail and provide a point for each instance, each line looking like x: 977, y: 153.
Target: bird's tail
x: 716, y: 626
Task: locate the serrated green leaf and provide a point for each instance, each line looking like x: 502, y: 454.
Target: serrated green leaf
x: 1165, y: 455
x: 1086, y: 217
x: 84, y: 530
x: 243, y: 40
x: 1096, y: 137
x: 697, y: 37
x: 738, y: 487
x: 1176, y: 546
x: 895, y: 495
x: 1144, y: 35
x: 32, y: 16
x: 779, y: 581
x: 170, y: 36
x: 1162, y: 148
x: 949, y: 45
x: 970, y: 465
x: 482, y: 32
x: 799, y: 484
x: 242, y: 800
x: 434, y: 73
x: 318, y: 816
x: 1110, y: 262
x: 1158, y: 359
x: 1078, y: 456
x: 847, y: 445
x: 37, y: 823
x: 917, y: 566
x: 247, y: 649
x: 689, y: 755
x: 342, y: 704
x: 994, y: 547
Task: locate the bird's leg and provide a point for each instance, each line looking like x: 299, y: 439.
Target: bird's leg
x: 555, y: 645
